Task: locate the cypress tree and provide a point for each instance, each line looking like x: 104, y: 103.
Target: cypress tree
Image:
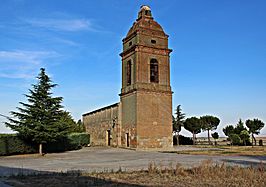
x: 178, y: 121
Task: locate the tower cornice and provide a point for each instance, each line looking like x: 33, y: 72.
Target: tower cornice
x: 146, y: 49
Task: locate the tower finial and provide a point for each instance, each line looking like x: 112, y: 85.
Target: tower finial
x: 145, y: 11
x: 145, y: 7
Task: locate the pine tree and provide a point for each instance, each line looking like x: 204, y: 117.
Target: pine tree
x: 209, y: 123
x: 254, y: 127
x: 38, y: 120
x: 193, y: 125
x: 239, y: 127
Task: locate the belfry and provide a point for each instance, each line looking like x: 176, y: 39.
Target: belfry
x: 143, y: 117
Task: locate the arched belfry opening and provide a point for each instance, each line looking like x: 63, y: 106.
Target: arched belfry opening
x: 129, y: 70
x: 154, y: 71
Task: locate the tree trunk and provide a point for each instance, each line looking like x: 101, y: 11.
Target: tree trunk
x: 253, y: 137
x: 40, y: 148
x: 193, y: 138
x: 177, y: 139
x: 209, y: 140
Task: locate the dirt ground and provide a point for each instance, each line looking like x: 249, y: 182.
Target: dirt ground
x: 206, y: 174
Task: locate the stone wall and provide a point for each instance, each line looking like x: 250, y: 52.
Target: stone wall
x: 103, y: 125
x: 154, y: 120
x: 128, y: 131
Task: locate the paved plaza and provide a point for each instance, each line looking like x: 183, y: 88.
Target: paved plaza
x: 98, y: 159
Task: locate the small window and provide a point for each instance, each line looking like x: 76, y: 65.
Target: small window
x: 128, y: 72
x: 154, y: 71
x: 130, y: 43
x: 153, y: 41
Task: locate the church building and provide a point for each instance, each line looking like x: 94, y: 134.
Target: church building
x: 143, y: 117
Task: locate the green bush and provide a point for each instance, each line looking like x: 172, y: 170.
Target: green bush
x: 235, y: 139
x: 73, y: 141
x: 185, y: 140
x: 11, y: 144
x: 80, y: 139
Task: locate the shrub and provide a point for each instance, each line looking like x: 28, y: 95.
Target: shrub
x: 81, y: 139
x: 73, y: 141
x: 58, y: 146
x: 235, y: 139
x: 11, y: 144
x: 185, y: 140
x: 244, y: 135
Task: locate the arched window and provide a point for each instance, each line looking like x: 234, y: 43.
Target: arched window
x: 128, y: 72
x: 154, y: 71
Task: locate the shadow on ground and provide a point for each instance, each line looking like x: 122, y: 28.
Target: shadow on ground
x: 261, y: 158
x: 245, y: 162
x: 30, y: 177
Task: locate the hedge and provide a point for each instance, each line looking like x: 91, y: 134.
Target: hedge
x: 80, y: 139
x: 183, y: 140
x: 11, y: 144
x: 73, y: 141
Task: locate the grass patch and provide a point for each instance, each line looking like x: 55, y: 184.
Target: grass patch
x: 227, y: 150
x: 207, y: 174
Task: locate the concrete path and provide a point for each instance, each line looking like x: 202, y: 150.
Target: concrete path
x: 105, y: 158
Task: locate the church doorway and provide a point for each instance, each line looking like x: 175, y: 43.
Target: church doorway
x: 108, y: 137
x: 127, y: 139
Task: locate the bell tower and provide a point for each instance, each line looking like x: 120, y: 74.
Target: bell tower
x: 146, y: 96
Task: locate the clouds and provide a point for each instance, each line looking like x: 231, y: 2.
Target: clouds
x: 53, y: 29
x: 31, y: 42
x: 23, y: 64
x: 60, y: 24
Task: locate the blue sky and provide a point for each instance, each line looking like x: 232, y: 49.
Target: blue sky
x: 218, y: 61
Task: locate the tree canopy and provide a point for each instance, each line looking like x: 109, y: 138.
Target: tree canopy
x: 254, y: 127
x: 244, y: 136
x: 209, y: 123
x: 228, y: 130
x: 215, y: 135
x: 178, y: 120
x: 193, y: 125
x: 40, y: 120
x: 239, y: 127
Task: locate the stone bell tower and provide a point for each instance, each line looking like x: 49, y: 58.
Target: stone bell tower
x: 146, y: 96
